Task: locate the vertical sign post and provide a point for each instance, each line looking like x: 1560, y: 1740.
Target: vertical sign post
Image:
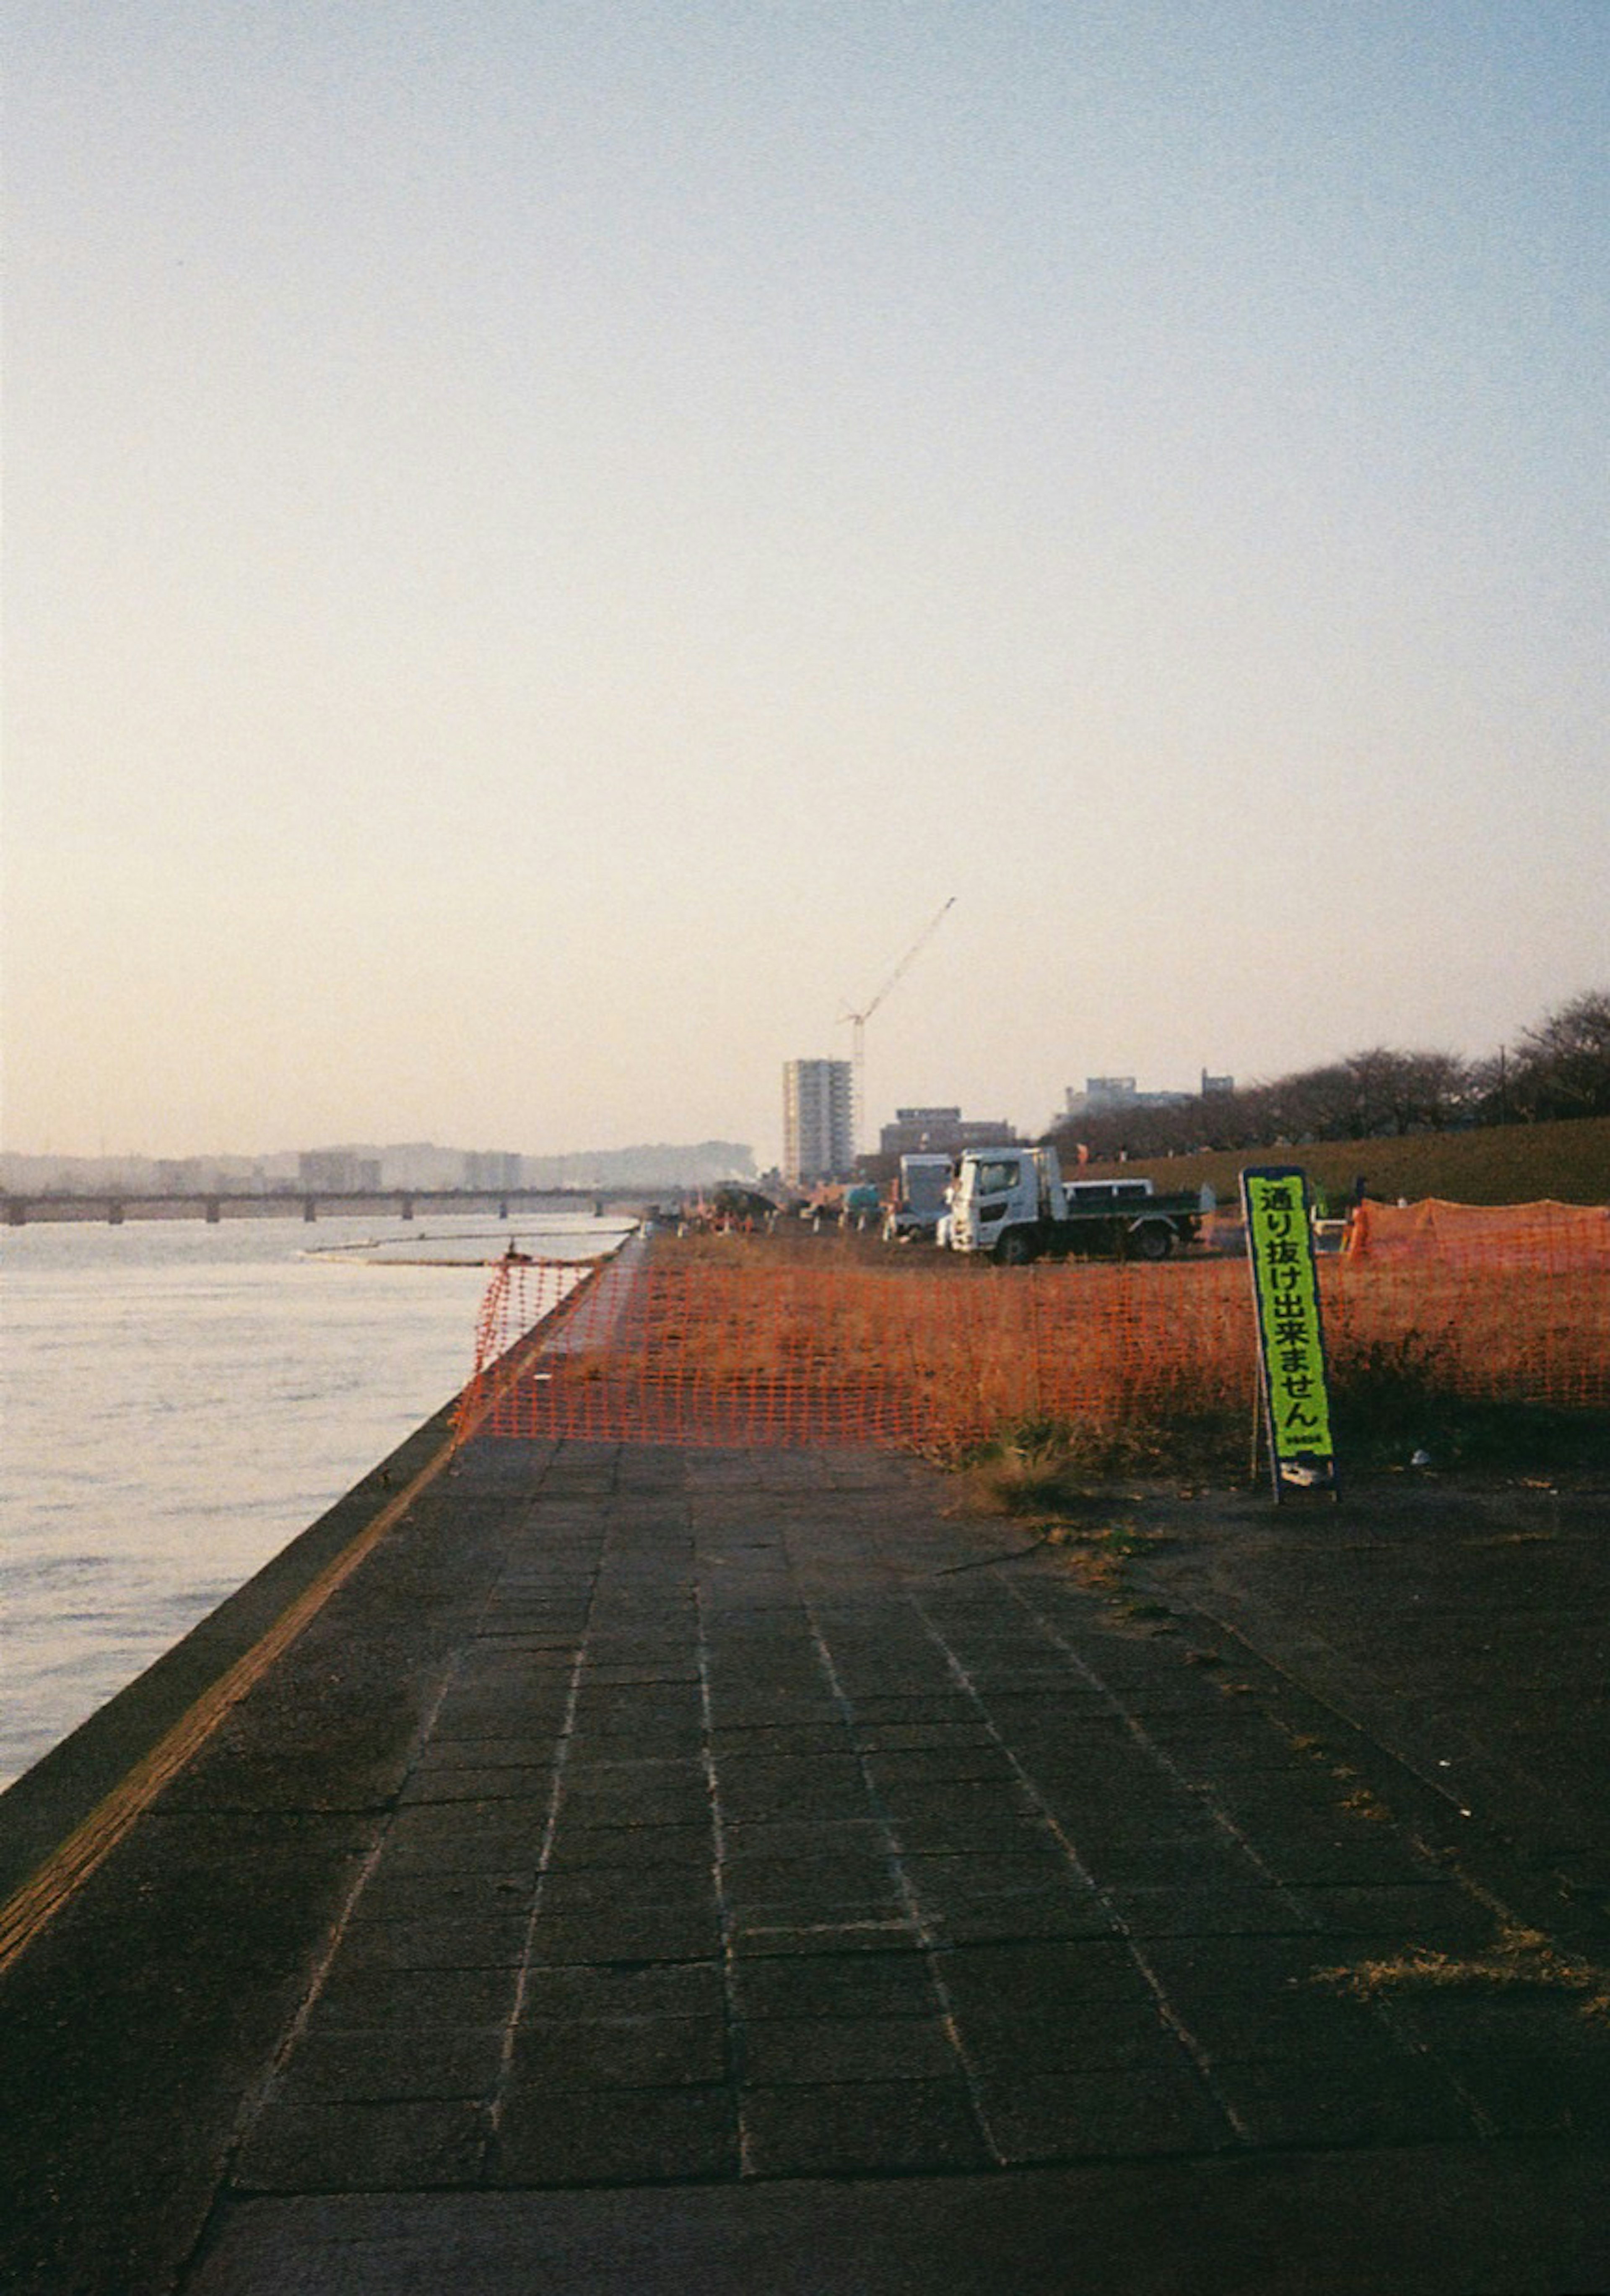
x: 1291, y: 1337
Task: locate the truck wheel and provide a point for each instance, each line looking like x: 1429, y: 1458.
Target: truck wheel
x: 1014, y: 1248
x: 1151, y: 1240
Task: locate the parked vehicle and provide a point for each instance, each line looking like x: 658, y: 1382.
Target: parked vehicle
x: 1015, y: 1204
x: 917, y: 1203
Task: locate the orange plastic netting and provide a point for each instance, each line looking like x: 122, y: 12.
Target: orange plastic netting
x: 688, y: 1352
x: 1544, y: 1235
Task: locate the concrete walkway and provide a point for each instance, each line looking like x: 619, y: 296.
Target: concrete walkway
x: 719, y: 1871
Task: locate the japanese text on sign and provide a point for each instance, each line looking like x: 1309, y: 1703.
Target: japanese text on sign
x: 1279, y: 1238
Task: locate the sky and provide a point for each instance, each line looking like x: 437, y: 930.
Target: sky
x: 545, y: 539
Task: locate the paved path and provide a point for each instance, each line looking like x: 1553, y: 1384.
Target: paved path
x: 714, y: 1870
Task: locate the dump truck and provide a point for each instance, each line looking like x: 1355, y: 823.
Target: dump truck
x: 1015, y: 1204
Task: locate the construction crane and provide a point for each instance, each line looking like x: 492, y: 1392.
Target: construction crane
x: 859, y: 1020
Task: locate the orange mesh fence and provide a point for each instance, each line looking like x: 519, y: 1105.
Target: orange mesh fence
x: 689, y: 1352
x: 1507, y: 1302
x: 1488, y: 1334
x: 1554, y: 1238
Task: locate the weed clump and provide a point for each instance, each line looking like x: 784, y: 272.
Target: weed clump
x: 1050, y: 1466
x: 1032, y: 1468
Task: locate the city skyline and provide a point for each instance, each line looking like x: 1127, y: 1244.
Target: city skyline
x: 282, y: 1159
x: 541, y: 545
x: 358, y: 1165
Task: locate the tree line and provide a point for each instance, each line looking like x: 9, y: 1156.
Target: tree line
x: 1558, y: 1068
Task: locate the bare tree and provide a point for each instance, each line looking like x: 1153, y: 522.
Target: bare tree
x: 1562, y: 1066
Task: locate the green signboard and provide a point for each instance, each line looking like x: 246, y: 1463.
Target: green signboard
x: 1291, y: 1336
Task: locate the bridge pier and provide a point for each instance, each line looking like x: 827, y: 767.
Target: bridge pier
x: 310, y: 1209
x: 215, y: 1211
x: 16, y: 1212
x: 114, y: 1212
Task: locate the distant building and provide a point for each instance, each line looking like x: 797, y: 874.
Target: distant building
x: 651, y: 1165
x: 1217, y: 1088
x: 207, y: 1176
x: 1110, y: 1096
x: 336, y: 1171
x: 818, y: 1121
x: 491, y: 1168
x: 940, y: 1131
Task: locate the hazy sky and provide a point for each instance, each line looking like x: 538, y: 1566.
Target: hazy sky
x: 545, y: 537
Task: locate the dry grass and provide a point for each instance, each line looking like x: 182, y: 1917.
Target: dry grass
x: 1522, y: 1958
x: 1048, y: 1380
x: 1506, y: 1164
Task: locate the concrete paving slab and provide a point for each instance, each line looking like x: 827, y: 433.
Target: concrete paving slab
x: 615, y: 2136
x: 553, y: 2055
x: 1364, y: 2223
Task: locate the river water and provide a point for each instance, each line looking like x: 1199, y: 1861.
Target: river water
x: 177, y: 1401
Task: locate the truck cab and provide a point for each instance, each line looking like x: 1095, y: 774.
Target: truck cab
x: 998, y: 1191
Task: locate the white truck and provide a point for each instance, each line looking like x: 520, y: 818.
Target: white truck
x: 916, y: 1203
x: 1015, y: 1204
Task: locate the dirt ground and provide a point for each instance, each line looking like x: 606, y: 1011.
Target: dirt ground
x: 1456, y: 1632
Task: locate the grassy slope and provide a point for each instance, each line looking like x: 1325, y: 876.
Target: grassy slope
x: 1514, y: 1164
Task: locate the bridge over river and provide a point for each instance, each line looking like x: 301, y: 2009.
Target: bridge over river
x: 116, y: 1205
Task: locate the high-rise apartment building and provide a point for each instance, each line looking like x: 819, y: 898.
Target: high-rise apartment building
x: 819, y: 1122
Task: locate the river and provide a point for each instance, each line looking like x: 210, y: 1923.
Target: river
x: 178, y: 1400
